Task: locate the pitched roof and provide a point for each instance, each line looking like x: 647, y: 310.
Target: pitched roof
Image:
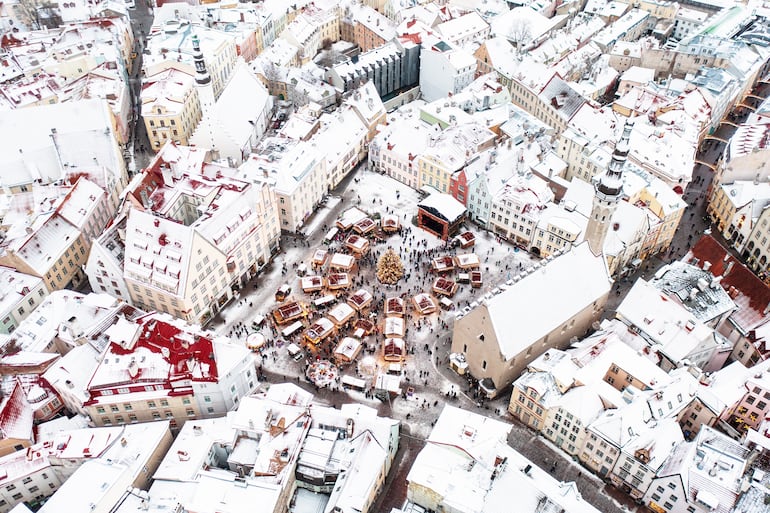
x: 747, y: 291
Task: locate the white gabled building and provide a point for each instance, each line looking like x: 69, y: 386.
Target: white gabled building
x: 42, y: 145
x: 232, y: 127
x: 445, y: 70
x: 295, y: 171
x: 19, y: 294
x: 702, y: 476
x: 670, y: 331
x: 277, y: 448
x: 395, y: 147
x: 492, y: 337
x: 113, y: 457
x: 191, y: 235
x: 467, y: 466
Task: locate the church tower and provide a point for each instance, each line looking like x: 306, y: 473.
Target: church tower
x: 608, y: 193
x: 202, y: 78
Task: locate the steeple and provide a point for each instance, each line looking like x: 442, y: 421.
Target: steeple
x: 201, y: 74
x: 608, y: 192
x: 611, y: 182
x: 202, y: 78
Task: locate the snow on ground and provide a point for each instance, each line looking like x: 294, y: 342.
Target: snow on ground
x: 425, y: 370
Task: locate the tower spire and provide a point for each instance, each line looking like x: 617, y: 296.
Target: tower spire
x: 201, y: 73
x: 608, y: 191
x: 611, y: 182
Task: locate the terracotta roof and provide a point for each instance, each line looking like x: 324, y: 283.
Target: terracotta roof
x: 16, y: 416
x: 747, y: 291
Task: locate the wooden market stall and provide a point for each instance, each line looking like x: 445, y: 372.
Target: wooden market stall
x: 289, y: 311
x: 342, y: 262
x: 468, y: 261
x: 444, y: 286
x: 362, y: 328
x: 361, y: 299
x: 390, y: 223
x: 395, y: 306
x: 358, y: 245
x: 337, y: 281
x: 443, y: 264
x: 341, y: 314
x: 394, y: 327
x: 311, y: 283
x: 347, y: 351
x: 320, y: 256
x: 348, y: 218
x: 318, y: 331
x: 476, y: 280
x: 466, y: 240
x: 424, y: 304
x: 394, y: 349
x: 364, y: 226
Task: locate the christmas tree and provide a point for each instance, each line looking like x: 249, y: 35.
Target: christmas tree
x: 389, y: 267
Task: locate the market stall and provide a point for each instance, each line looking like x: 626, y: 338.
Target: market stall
x: 424, y: 304
x: 394, y: 306
x: 394, y: 349
x: 358, y: 245
x: 341, y: 314
x: 320, y: 256
x: 444, y: 286
x: 311, y: 284
x: 288, y: 312
x: 364, y: 226
x: 466, y: 240
x: 476, y: 279
x: 347, y: 351
x: 390, y: 223
x: 468, y: 261
x: 337, y: 281
x: 348, y: 218
x: 443, y: 264
x: 342, y: 262
x: 361, y: 299
x: 362, y: 328
x: 318, y: 331
x: 394, y: 327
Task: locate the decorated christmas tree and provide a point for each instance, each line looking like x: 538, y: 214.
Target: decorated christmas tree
x: 389, y: 267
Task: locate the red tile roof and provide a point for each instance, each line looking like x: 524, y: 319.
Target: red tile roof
x: 16, y: 416
x: 748, y: 292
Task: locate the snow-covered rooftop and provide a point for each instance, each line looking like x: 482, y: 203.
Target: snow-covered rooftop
x: 549, y: 295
